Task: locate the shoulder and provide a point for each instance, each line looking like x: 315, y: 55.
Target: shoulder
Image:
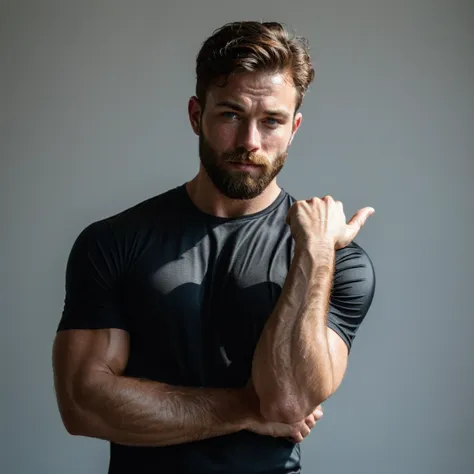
x: 352, y: 292
x: 354, y: 256
x: 353, y: 251
x: 354, y: 274
x: 123, y: 233
x: 144, y: 213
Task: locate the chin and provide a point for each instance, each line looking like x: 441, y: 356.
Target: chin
x: 239, y: 190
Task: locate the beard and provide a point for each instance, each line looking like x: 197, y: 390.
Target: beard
x: 239, y: 184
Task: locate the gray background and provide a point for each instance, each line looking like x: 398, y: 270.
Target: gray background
x: 94, y: 119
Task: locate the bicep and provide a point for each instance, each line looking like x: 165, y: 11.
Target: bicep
x: 80, y: 354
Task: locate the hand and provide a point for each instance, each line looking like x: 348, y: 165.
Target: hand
x: 323, y: 220
x: 295, y: 432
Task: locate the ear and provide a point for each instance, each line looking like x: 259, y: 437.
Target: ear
x: 194, y: 112
x: 296, y: 124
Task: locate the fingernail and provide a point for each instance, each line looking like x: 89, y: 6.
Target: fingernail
x: 319, y: 413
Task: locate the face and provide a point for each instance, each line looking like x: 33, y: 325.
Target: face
x: 245, y: 131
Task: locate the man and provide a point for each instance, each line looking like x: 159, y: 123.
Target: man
x: 203, y: 328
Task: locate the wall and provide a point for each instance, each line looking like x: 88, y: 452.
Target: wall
x: 93, y: 120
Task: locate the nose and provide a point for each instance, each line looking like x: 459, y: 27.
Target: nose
x: 250, y: 137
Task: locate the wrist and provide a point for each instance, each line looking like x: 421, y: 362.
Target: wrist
x: 317, y: 249
x: 239, y: 411
x: 248, y: 408
x: 315, y: 243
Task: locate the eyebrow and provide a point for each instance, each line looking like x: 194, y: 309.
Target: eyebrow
x: 232, y: 105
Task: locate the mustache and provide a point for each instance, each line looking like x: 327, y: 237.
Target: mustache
x: 246, y: 157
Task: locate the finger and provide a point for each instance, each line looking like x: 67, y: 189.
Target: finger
x: 299, y: 438
x: 305, y: 430
x: 310, y: 422
x: 318, y: 414
x: 359, y: 218
x: 318, y: 411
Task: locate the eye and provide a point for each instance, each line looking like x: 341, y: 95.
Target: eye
x: 272, y: 122
x: 229, y: 115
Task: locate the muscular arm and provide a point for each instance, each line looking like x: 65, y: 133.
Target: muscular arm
x: 298, y: 361
x: 96, y: 400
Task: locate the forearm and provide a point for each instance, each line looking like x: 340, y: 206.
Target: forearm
x: 292, y: 369
x: 146, y: 413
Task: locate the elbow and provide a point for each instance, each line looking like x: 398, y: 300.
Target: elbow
x: 292, y: 410
x: 75, y: 414
x: 280, y: 413
x: 283, y: 410
x: 80, y: 422
x: 72, y: 421
x: 73, y: 426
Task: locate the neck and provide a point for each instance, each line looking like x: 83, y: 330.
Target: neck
x: 210, y: 200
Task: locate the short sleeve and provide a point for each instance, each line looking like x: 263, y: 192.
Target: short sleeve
x: 352, y: 293
x: 93, y: 275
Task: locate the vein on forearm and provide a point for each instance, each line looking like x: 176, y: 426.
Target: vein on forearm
x: 292, y: 363
x: 140, y: 412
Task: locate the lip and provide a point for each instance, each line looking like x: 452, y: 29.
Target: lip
x: 244, y: 166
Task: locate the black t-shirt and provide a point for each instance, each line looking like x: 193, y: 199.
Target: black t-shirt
x: 194, y: 292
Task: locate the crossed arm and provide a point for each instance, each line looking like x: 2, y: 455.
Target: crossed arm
x: 96, y: 400
x: 298, y: 363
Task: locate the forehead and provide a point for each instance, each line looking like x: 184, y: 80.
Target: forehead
x: 256, y: 89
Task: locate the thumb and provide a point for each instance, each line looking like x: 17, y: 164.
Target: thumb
x: 358, y: 220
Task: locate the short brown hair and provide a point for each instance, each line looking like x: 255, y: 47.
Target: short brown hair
x: 250, y: 46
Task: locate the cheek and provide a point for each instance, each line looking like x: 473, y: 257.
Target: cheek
x: 276, y: 142
x: 222, y: 138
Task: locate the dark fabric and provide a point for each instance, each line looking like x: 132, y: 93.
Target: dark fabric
x: 194, y: 292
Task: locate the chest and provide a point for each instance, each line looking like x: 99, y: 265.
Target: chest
x: 191, y: 270
x: 201, y: 299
